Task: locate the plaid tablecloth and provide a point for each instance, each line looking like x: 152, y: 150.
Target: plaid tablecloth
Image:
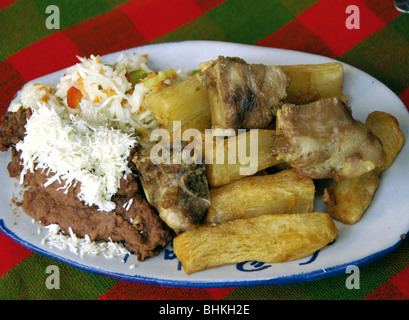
x: 28, y: 49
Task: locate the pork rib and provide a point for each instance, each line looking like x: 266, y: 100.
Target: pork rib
x: 322, y: 140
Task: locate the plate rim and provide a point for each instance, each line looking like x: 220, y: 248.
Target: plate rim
x: 283, y: 280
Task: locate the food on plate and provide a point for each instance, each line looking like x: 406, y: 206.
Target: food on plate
x: 386, y: 127
x: 312, y: 82
x: 348, y: 199
x: 270, y: 238
x: 239, y: 186
x: 71, y: 145
x: 12, y: 128
x: 322, y: 140
x: 48, y: 199
x: 178, y: 190
x: 185, y: 101
x: 281, y: 192
x: 103, y: 93
x: 253, y: 157
x: 72, y: 151
x: 132, y: 222
x: 242, y: 95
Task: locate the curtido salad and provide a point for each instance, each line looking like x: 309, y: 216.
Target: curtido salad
x: 105, y: 94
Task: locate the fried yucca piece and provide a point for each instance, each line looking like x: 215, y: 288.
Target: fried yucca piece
x: 311, y: 82
x: 386, y: 127
x: 200, y: 122
x: 282, y: 192
x: 347, y: 200
x: 227, y: 171
x: 269, y: 238
x: 182, y: 101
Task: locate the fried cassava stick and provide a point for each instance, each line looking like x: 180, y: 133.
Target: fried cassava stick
x: 268, y: 238
x: 282, y: 192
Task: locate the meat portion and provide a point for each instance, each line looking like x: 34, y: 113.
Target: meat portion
x: 322, y: 140
x: 133, y: 221
x: 179, y: 191
x: 242, y: 95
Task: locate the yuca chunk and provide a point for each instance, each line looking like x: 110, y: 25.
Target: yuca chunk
x: 268, y: 238
x: 282, y: 192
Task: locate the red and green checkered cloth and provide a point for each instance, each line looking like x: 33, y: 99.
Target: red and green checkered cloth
x: 29, y: 50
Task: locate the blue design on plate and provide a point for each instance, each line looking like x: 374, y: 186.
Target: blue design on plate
x: 254, y: 266
x: 312, y: 259
x: 314, y: 255
x: 170, y: 255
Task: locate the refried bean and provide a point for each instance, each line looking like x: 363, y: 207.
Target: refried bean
x: 133, y: 222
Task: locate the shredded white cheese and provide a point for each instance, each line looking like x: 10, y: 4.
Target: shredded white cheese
x: 66, y: 145
x: 128, y: 204
x: 90, y: 143
x: 82, y: 246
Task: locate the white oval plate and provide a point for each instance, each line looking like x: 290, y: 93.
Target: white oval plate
x: 378, y: 233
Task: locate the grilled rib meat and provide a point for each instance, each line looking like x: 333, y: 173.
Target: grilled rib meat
x: 242, y: 95
x: 178, y: 191
x: 322, y: 140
